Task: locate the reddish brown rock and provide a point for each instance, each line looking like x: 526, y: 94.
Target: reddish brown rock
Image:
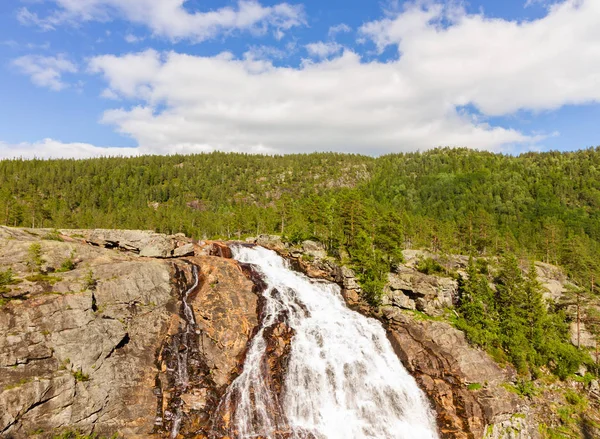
x: 225, y: 309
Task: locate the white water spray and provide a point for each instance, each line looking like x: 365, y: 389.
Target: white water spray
x: 343, y: 379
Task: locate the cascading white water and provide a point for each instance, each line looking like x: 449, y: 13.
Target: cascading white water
x: 343, y: 379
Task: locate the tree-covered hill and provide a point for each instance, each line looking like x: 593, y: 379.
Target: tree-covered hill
x: 537, y: 205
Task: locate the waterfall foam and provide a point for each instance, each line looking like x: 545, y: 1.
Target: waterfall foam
x: 343, y: 378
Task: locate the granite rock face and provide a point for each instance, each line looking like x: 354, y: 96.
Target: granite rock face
x: 90, y: 348
x: 409, y: 289
x: 76, y: 351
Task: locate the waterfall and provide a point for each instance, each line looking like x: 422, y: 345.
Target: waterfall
x: 343, y: 378
x: 179, y: 348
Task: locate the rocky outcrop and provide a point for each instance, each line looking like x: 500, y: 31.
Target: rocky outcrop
x: 225, y: 311
x: 97, y: 346
x: 410, y: 289
x: 464, y: 384
x: 93, y: 347
x: 143, y: 242
x: 76, y: 349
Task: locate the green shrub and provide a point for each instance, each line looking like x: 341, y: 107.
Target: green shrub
x: 574, y: 398
x: 67, y: 265
x: 54, y: 235
x: 34, y: 257
x: 430, y: 266
x: 90, y: 282
x: 7, y: 277
x: 474, y: 386
x: 80, y: 376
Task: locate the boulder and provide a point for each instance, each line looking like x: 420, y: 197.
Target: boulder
x: 184, y: 250
x: 314, y: 249
x: 410, y: 289
x: 272, y: 242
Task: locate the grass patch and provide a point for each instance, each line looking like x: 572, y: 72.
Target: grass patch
x: 474, y: 386
x: 523, y: 388
x: 18, y: 383
x: 54, y: 235
x: 420, y: 315
x: 80, y: 376
x: 39, y: 277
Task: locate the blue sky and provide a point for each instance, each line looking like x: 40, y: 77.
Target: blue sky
x: 83, y: 78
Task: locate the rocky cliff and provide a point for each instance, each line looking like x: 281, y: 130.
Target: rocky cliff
x: 92, y: 329
x: 140, y: 334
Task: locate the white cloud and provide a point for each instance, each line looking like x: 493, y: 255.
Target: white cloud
x: 46, y: 71
x: 169, y: 18
x: 323, y: 49
x: 447, y: 60
x: 248, y: 105
x: 55, y: 149
x: 339, y: 28
x: 49, y: 148
x: 133, y: 39
x: 497, y: 65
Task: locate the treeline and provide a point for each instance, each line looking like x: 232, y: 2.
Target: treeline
x: 542, y: 206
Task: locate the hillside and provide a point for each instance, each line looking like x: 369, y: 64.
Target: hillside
x: 544, y: 206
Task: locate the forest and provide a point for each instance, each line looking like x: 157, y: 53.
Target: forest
x: 543, y: 206
x: 366, y: 210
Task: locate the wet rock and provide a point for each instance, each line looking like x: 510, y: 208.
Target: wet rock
x: 443, y: 363
x: 225, y: 310
x: 219, y: 249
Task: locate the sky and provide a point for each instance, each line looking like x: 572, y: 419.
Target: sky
x: 85, y: 78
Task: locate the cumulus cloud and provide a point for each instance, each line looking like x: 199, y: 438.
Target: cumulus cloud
x: 46, y: 71
x: 323, y: 49
x: 497, y: 65
x: 248, y: 105
x: 448, y: 61
x: 170, y: 18
x: 50, y: 148
x: 339, y: 28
